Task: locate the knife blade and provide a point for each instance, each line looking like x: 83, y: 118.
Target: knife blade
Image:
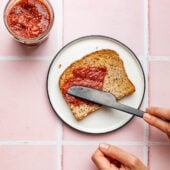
x: 102, y: 98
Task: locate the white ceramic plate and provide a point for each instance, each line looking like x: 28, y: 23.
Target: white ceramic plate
x: 105, y: 119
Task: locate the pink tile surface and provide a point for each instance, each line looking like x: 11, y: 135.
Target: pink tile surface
x: 159, y: 157
x: 25, y: 111
x: 28, y: 157
x: 159, y: 27
x: 120, y: 20
x: 127, y: 133
x: 81, y: 156
x: 159, y: 83
x: 157, y: 136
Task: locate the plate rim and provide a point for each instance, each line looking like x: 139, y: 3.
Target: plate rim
x: 86, y: 37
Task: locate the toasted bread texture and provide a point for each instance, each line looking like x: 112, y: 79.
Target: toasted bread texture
x: 116, y: 80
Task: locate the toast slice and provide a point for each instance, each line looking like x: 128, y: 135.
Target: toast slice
x: 115, y: 80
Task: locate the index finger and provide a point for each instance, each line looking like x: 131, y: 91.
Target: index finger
x: 119, y: 155
x: 159, y: 112
x: 101, y: 161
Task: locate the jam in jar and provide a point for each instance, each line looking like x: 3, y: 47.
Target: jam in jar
x: 29, y: 21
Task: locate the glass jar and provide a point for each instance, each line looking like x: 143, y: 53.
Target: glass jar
x: 29, y: 21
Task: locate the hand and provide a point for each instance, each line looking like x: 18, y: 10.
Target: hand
x: 108, y: 157
x: 159, y: 118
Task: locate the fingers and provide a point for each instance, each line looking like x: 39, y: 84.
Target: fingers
x: 101, y: 161
x: 158, y: 123
x: 108, y: 157
x: 120, y: 155
x: 159, y: 112
x: 153, y: 118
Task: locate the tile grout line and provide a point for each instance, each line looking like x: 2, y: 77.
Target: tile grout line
x: 59, y: 44
x: 69, y: 142
x: 60, y: 24
x: 25, y: 58
x: 125, y: 143
x: 47, y: 58
x: 159, y: 58
x: 146, y: 52
x: 59, y: 145
x: 28, y: 142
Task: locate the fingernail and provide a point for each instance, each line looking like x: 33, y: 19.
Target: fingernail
x: 147, y: 116
x: 147, y: 109
x: 104, y: 146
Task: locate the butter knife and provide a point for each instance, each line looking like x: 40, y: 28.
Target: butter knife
x: 102, y: 98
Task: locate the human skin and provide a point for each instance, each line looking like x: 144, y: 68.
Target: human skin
x: 159, y: 118
x: 109, y: 157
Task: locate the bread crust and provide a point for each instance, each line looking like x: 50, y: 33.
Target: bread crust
x: 116, y: 80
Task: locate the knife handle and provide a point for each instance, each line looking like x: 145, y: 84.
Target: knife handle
x: 128, y: 109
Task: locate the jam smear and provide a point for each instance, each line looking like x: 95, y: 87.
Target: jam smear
x: 89, y: 76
